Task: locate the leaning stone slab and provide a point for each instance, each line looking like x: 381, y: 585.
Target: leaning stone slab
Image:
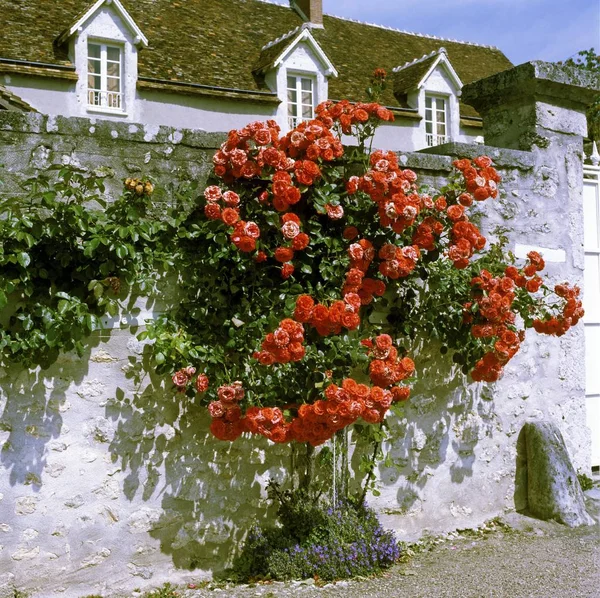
x: 546, y: 484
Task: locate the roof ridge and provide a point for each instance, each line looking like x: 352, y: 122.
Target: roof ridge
x: 285, y: 35
x: 440, y: 50
x: 443, y: 39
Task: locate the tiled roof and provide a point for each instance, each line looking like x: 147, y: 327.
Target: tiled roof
x: 409, y: 77
x: 9, y: 101
x: 219, y: 42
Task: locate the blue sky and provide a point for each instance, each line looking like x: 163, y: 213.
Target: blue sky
x: 523, y: 29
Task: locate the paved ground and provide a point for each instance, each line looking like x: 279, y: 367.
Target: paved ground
x: 518, y: 558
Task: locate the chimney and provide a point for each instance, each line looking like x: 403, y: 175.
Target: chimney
x: 310, y: 10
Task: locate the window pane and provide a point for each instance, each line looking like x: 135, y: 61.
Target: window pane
x: 113, y: 69
x: 94, y: 67
x: 441, y: 117
x: 428, y: 115
x: 306, y: 84
x: 428, y: 127
x: 307, y: 98
x: 291, y: 82
x: 428, y: 102
x: 93, y: 81
x: 292, y: 96
x: 113, y: 54
x: 113, y: 84
x: 441, y: 129
x: 307, y: 112
x: 93, y: 51
x: 292, y: 109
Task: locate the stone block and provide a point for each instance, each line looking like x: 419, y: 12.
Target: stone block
x: 546, y: 482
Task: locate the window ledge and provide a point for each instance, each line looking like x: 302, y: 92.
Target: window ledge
x: 100, y: 110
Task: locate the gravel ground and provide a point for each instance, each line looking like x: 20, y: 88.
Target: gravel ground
x: 519, y: 557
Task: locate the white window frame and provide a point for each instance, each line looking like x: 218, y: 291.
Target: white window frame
x: 293, y: 120
x: 103, y: 100
x: 434, y: 138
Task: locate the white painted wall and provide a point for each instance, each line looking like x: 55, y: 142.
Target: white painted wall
x: 196, y: 112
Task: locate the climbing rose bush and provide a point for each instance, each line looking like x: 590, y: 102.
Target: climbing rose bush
x: 305, y: 239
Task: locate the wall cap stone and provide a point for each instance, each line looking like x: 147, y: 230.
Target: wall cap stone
x: 21, y: 122
x: 560, y: 85
x: 502, y: 157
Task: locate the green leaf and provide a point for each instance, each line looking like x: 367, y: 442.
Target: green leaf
x: 23, y: 259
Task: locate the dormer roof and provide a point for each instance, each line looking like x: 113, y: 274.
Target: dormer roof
x: 275, y: 52
x: 10, y: 101
x: 91, y: 11
x: 414, y: 74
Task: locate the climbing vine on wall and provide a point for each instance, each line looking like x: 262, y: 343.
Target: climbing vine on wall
x: 67, y: 258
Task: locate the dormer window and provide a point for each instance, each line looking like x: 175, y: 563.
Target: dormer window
x: 295, y: 67
x: 105, y: 77
x: 300, y: 99
x: 436, y: 120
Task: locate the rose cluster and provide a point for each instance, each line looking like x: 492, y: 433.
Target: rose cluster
x: 572, y: 312
x: 329, y: 320
x: 387, y: 368
x: 349, y: 114
x: 227, y: 421
x: 283, y: 345
x: 183, y: 377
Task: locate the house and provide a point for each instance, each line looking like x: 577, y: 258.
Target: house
x: 218, y: 64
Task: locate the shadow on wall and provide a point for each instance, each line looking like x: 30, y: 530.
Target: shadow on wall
x: 443, y: 422
x: 31, y: 404
x: 211, y: 491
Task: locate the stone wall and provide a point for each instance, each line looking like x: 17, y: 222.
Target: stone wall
x: 109, y: 481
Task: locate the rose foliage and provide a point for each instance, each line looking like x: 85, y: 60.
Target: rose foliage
x: 298, y: 244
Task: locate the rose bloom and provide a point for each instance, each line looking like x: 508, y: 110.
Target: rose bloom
x: 300, y: 242
x: 226, y: 393
x: 353, y: 300
x: 440, y: 203
x: 212, y: 193
x: 350, y: 232
x: 290, y: 230
x: 483, y: 161
x: 383, y: 341
x: 356, y: 252
x: 216, y: 409
x: 334, y: 212
x: 286, y: 271
x: 284, y: 254
x: 231, y: 198
x: 251, y: 229
x: 202, y: 383
x: 230, y: 216
x: 180, y: 379
x: 261, y: 256
x: 465, y: 199
x: 212, y: 211
x: 246, y: 244
x: 455, y: 212
x: 352, y: 185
